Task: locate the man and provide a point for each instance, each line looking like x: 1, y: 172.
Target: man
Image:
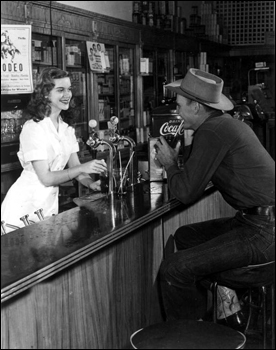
x: 225, y: 151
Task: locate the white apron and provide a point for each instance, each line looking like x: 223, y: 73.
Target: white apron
x: 38, y: 141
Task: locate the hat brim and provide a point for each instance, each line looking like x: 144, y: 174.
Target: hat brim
x: 224, y: 104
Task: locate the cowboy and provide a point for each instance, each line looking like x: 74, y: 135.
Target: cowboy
x: 227, y: 152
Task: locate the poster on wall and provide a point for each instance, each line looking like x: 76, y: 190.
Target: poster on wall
x: 16, y: 59
x: 97, y: 56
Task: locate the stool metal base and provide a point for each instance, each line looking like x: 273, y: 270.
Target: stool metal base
x: 187, y: 334
x: 253, y: 276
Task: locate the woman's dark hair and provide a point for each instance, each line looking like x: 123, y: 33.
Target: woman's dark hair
x: 39, y: 106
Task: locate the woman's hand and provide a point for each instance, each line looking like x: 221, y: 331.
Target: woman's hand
x: 94, y: 166
x: 95, y: 186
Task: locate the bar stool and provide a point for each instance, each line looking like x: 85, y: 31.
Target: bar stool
x: 187, y: 334
x: 259, y: 276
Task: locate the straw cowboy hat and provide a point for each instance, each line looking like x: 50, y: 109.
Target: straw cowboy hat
x: 202, y: 87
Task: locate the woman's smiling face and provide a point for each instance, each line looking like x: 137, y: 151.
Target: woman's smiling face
x: 61, y: 94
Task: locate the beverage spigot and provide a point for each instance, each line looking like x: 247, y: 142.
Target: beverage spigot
x: 116, y: 138
x: 132, y: 144
x: 25, y: 220
x: 94, y: 141
x: 39, y: 214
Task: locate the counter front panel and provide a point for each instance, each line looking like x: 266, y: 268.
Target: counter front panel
x: 35, y: 252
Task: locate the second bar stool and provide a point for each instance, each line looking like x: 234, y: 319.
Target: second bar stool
x: 259, y: 276
x: 187, y: 334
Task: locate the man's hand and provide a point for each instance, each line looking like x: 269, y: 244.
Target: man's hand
x: 166, y: 155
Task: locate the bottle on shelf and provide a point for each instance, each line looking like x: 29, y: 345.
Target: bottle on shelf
x: 158, y: 16
x: 144, y: 19
x: 158, y: 21
x: 150, y: 15
x: 168, y: 22
x: 145, y: 7
x: 195, y: 19
x: 136, y: 15
x: 183, y: 25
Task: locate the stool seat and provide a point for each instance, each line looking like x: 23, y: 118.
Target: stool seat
x: 187, y: 334
x: 250, y: 276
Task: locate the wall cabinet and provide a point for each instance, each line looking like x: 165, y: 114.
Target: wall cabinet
x: 155, y: 78
x: 76, y: 64
x: 59, y: 39
x: 115, y: 90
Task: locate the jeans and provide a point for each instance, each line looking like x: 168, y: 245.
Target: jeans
x: 210, y: 247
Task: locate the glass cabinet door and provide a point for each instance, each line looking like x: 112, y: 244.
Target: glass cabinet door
x: 107, y: 93
x: 75, y: 58
x: 180, y: 65
x: 155, y: 78
x: 148, y: 79
x: 126, y: 91
x: 162, y: 74
x: 44, y: 53
x: 116, y: 96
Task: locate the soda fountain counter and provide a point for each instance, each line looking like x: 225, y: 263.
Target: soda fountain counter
x: 88, y: 277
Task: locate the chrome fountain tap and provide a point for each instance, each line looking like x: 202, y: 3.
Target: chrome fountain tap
x: 132, y: 144
x: 94, y: 141
x: 116, y: 138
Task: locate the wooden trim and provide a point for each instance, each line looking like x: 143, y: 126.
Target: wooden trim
x: 68, y: 19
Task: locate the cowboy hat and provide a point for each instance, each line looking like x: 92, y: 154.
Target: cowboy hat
x: 202, y: 87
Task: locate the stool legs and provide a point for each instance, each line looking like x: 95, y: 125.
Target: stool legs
x: 273, y: 315
x: 250, y: 310
x: 263, y: 309
x: 264, y: 291
x: 215, y: 301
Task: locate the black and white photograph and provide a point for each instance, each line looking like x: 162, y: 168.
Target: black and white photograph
x: 137, y: 174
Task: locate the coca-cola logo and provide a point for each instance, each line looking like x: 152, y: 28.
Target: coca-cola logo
x: 171, y: 128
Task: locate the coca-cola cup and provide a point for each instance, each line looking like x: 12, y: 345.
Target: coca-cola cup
x: 104, y: 182
x: 173, y: 138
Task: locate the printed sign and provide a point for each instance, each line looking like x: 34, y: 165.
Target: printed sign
x: 16, y: 59
x: 97, y: 56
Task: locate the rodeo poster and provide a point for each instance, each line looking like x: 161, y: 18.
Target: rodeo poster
x: 16, y: 59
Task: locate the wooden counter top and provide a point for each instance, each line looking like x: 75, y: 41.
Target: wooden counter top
x: 32, y: 254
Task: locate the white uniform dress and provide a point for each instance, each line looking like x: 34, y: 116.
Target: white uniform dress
x: 38, y: 141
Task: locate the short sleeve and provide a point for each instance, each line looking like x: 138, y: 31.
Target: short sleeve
x: 33, y: 142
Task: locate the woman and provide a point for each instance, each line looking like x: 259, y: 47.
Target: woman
x: 47, y: 144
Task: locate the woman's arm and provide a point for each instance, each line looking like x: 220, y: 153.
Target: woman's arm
x: 54, y: 178
x: 83, y: 178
